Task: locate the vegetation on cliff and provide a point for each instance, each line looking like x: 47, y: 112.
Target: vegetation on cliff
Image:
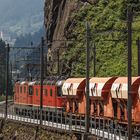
x: 111, y: 46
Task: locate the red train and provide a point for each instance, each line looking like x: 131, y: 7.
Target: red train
x: 108, y: 97
x: 27, y: 96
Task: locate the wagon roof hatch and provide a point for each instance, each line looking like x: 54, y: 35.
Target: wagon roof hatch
x: 120, y: 87
x: 99, y: 86
x: 73, y: 86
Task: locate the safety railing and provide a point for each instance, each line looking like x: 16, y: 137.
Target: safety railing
x: 58, y: 119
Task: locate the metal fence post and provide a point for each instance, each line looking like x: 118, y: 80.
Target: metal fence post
x: 7, y: 79
x: 70, y: 121
x: 95, y: 123
x: 103, y: 127
x: 108, y: 130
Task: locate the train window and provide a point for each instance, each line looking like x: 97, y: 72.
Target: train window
x: 51, y: 92
x: 36, y: 92
x: 20, y: 89
x: 24, y: 89
x: 30, y: 90
x: 59, y: 91
x: 45, y: 92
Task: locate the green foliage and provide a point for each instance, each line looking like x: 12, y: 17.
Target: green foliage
x: 111, y: 46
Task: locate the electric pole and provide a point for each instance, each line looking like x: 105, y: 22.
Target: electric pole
x: 41, y: 77
x: 87, y: 117
x: 7, y: 78
x: 129, y: 41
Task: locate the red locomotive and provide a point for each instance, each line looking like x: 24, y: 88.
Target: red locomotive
x: 108, y: 97
x: 27, y: 96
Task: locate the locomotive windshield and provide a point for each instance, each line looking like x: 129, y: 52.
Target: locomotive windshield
x: 59, y: 85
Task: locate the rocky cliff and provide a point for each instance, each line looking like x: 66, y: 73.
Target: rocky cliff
x: 58, y: 22
x: 58, y: 16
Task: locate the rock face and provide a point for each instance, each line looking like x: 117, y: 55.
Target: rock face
x: 58, y: 19
x: 57, y: 15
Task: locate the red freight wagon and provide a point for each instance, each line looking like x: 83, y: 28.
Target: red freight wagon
x: 74, y: 89
x: 100, y: 96
x: 119, y: 93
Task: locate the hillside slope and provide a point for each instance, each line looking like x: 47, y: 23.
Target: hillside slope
x: 111, y: 46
